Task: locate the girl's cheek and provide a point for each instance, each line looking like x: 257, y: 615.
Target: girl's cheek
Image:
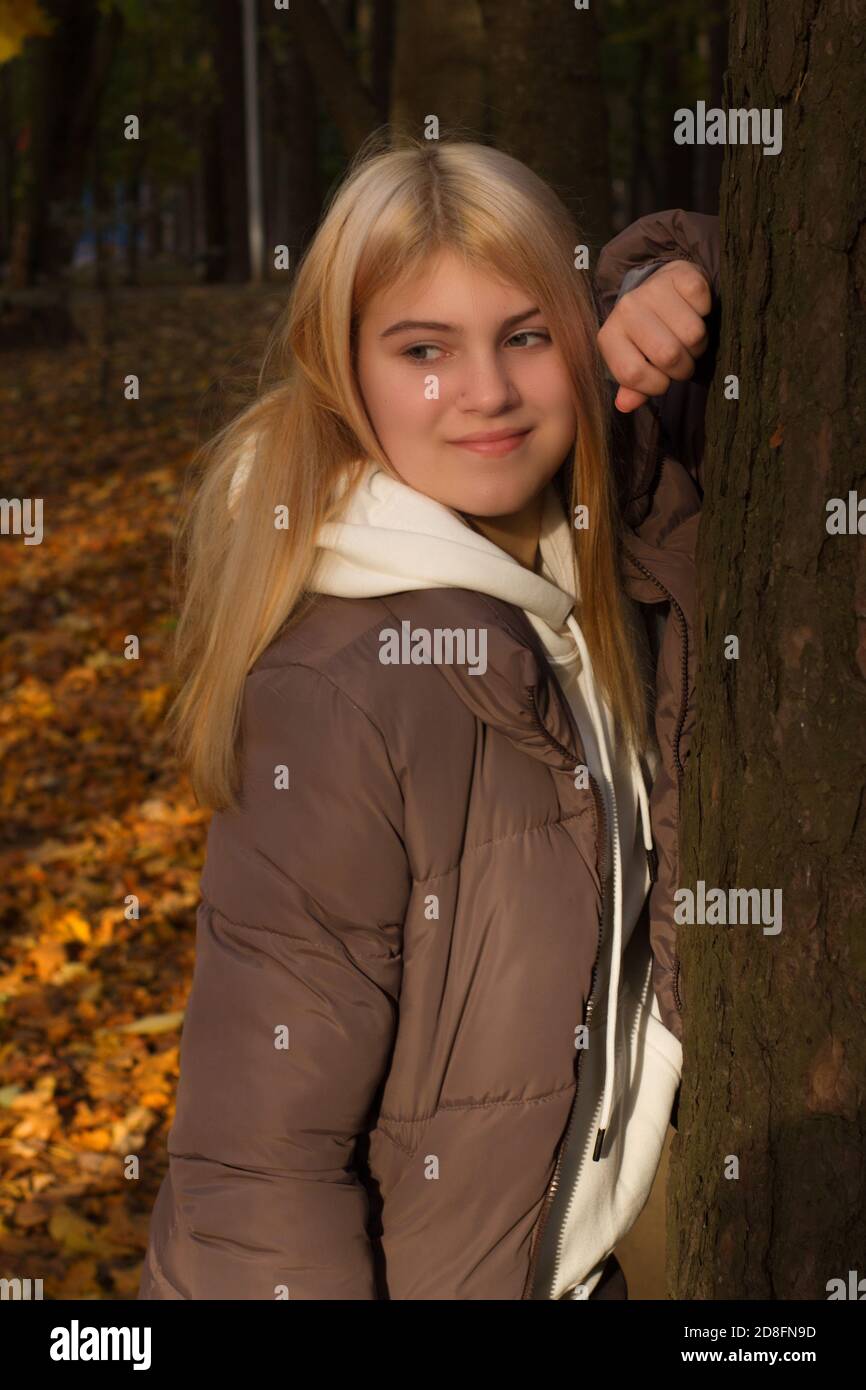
x: 544, y: 383
x: 418, y: 399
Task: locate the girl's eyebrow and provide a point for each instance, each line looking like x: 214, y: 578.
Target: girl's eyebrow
x: 453, y: 327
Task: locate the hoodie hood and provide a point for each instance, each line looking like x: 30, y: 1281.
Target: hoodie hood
x: 391, y: 538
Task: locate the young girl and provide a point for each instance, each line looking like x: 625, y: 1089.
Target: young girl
x: 434, y: 1034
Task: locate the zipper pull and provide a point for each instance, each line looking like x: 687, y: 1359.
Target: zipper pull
x: 599, y: 1140
x: 653, y: 861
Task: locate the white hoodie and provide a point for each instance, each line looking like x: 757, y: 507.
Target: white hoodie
x: 391, y: 538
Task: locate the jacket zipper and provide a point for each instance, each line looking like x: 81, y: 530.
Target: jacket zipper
x: 652, y: 856
x: 553, y: 1186
x: 684, y: 695
x: 601, y: 830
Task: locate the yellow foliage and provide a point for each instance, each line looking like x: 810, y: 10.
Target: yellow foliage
x: 20, y: 20
x: 71, y: 1231
x: 152, y: 703
x: 73, y: 927
x: 96, y: 1140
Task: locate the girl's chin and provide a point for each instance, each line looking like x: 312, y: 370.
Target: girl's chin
x: 498, y: 496
x: 478, y: 486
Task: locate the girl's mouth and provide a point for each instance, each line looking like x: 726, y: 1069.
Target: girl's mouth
x: 495, y: 446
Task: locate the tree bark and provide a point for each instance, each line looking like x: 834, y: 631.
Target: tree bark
x: 439, y: 67
x: 300, y: 150
x: 641, y: 167
x: 69, y: 72
x: 775, y: 1053
x: 132, y: 203
x: 216, y: 230
x: 547, y: 104
x: 7, y: 161
x: 349, y: 104
x: 709, y: 157
x: 678, y: 165
x: 382, y: 30
x: 227, y: 150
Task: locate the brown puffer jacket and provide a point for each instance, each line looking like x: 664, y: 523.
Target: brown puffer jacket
x: 377, y: 1062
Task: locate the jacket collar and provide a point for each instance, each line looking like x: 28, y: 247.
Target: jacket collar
x: 540, y: 722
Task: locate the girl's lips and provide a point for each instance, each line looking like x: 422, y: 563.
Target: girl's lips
x: 494, y: 448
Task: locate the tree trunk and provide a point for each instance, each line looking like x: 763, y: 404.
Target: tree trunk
x: 299, y: 145
x: 227, y: 149
x: 7, y: 161
x: 439, y: 67
x: 382, y: 31
x: 154, y: 221
x: 216, y: 231
x: 641, y: 169
x: 133, y: 225
x: 69, y: 70
x: 775, y: 1053
x: 546, y: 101
x: 678, y: 160
x: 349, y: 104
x: 709, y: 157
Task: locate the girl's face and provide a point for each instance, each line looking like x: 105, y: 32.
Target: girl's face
x: 452, y: 354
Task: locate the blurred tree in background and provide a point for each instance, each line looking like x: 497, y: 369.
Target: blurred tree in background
x: 585, y: 97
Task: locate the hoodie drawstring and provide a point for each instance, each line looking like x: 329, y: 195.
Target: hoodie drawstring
x: 616, y: 943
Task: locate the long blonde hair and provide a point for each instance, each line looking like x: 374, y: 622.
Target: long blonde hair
x: 244, y: 578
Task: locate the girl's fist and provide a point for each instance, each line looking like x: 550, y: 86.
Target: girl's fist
x: 654, y: 333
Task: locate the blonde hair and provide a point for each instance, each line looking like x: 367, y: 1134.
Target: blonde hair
x: 243, y: 578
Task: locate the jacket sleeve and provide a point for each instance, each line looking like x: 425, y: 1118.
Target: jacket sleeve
x: 291, y: 1017
x: 623, y: 264
x: 657, y: 457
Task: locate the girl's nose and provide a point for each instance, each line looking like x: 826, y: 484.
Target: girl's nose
x: 486, y: 385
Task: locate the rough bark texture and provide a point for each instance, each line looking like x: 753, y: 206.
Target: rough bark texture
x: 775, y: 1052
x: 439, y: 67
x: 347, y: 100
x: 547, y: 106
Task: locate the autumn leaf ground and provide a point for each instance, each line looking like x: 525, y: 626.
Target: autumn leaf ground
x: 93, y: 809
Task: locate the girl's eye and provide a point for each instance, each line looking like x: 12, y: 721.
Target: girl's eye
x: 431, y: 347
x: 419, y: 347
x: 531, y: 333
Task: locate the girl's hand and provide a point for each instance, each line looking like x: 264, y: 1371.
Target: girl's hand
x: 654, y: 333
